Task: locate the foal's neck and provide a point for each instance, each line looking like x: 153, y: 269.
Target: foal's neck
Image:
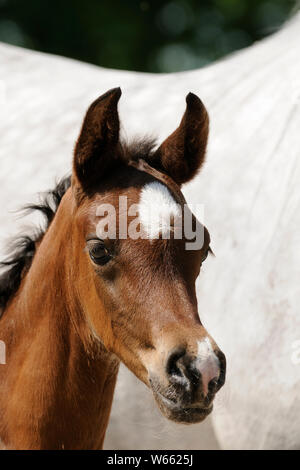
x: 60, y: 379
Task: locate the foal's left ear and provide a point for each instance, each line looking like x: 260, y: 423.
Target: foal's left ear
x: 96, y: 147
x: 182, y: 153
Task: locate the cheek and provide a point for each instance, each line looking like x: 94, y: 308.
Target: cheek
x: 97, y: 314
x: 107, y: 291
x: 123, y: 304
x: 114, y: 293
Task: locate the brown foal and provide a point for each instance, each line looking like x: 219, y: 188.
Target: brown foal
x: 80, y: 300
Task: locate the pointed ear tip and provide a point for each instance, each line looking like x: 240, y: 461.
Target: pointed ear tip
x: 191, y: 98
x: 195, y: 105
x: 113, y: 93
x: 116, y: 92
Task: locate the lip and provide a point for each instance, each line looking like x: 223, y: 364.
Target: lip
x: 179, y: 413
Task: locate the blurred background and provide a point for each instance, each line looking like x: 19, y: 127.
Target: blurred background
x: 148, y: 36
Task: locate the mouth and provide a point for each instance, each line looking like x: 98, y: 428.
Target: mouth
x: 179, y: 413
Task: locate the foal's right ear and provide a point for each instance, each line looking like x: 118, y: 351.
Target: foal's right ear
x: 96, y: 147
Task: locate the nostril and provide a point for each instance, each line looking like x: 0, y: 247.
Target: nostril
x: 173, y: 368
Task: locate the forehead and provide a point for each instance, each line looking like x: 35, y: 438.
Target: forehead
x: 157, y: 206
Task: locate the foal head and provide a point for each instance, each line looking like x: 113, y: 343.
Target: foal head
x: 134, y: 277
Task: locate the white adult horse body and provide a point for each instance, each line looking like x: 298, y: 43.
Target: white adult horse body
x: 249, y: 294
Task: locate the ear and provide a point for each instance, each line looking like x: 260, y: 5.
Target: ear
x: 96, y: 147
x: 182, y: 153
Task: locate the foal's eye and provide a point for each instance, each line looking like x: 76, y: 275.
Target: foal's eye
x: 98, y: 252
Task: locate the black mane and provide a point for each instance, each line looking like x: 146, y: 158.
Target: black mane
x: 24, y: 247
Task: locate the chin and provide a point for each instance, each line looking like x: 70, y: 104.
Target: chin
x: 181, y: 414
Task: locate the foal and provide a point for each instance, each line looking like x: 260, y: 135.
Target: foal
x: 79, y: 298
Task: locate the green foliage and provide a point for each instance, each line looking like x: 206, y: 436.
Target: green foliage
x: 150, y: 36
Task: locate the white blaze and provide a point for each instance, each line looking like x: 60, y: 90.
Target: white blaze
x: 207, y: 362
x: 157, y: 207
